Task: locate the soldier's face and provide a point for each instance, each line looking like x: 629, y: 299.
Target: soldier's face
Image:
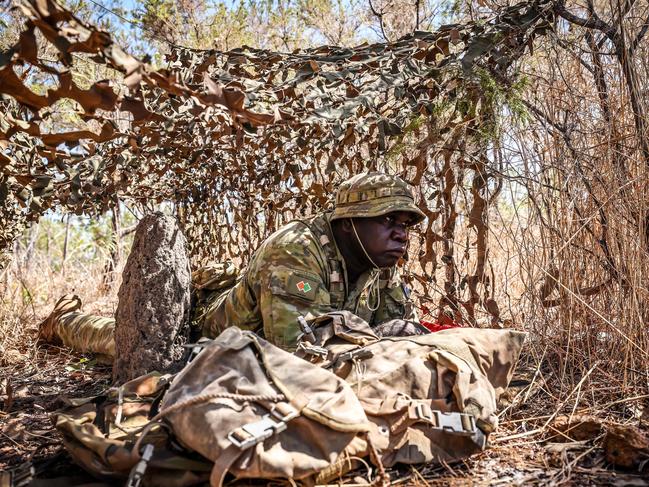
x: 385, y: 237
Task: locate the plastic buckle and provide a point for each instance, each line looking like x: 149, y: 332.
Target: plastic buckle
x: 288, y: 413
x: 257, y: 431
x: 453, y: 423
x: 316, y: 351
x: 450, y: 422
x: 425, y: 413
x: 359, y: 353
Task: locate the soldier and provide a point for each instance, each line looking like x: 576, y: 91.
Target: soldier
x: 341, y: 260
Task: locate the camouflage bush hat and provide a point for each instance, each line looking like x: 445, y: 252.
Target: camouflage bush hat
x: 374, y: 194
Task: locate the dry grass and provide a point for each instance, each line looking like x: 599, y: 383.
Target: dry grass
x: 34, y: 377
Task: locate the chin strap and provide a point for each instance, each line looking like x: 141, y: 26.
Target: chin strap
x: 374, y: 282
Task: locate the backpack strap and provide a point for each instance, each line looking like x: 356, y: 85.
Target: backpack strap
x: 249, y: 435
x: 223, y: 463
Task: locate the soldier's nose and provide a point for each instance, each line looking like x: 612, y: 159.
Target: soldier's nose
x: 400, y: 234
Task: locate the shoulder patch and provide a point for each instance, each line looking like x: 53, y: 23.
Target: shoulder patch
x: 302, y: 286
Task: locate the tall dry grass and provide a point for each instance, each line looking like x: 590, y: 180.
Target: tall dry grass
x: 42, y: 267
x: 580, y: 159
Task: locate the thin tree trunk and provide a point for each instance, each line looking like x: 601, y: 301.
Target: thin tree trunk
x: 65, y: 244
x: 31, y: 245
x: 115, y: 252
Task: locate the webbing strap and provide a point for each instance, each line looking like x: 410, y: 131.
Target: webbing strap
x: 222, y: 465
x: 248, y: 436
x: 336, y: 281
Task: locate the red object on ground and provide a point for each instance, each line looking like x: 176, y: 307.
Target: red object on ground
x: 436, y: 326
x: 444, y: 322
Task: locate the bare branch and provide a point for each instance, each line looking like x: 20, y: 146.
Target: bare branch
x: 593, y: 22
x: 638, y: 38
x: 379, y: 15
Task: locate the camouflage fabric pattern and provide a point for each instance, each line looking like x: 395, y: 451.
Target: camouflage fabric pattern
x: 289, y: 276
x: 374, y: 194
x: 87, y: 333
x: 78, y: 331
x: 47, y: 328
x: 215, y: 276
x: 210, y: 283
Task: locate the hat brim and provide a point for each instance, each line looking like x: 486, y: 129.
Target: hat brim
x: 365, y: 209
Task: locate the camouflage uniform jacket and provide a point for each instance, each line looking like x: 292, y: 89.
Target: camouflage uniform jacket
x: 296, y: 271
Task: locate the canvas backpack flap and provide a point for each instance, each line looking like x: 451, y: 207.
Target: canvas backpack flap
x: 128, y: 408
x: 482, y: 360
x: 260, y: 412
x: 96, y: 430
x: 100, y: 456
x: 415, y: 431
x: 495, y: 353
x: 476, y: 364
x: 405, y: 395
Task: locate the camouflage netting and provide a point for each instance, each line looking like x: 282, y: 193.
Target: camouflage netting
x: 245, y: 140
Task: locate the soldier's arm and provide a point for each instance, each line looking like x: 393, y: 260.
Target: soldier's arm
x: 291, y: 278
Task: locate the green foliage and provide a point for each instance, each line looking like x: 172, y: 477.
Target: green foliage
x: 515, y: 100
x: 407, y: 140
x: 89, y: 239
x: 282, y: 25
x: 501, y: 100
x: 84, y: 363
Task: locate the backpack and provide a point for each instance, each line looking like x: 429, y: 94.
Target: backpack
x: 245, y: 407
x: 241, y: 406
x: 258, y: 411
x: 428, y: 397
